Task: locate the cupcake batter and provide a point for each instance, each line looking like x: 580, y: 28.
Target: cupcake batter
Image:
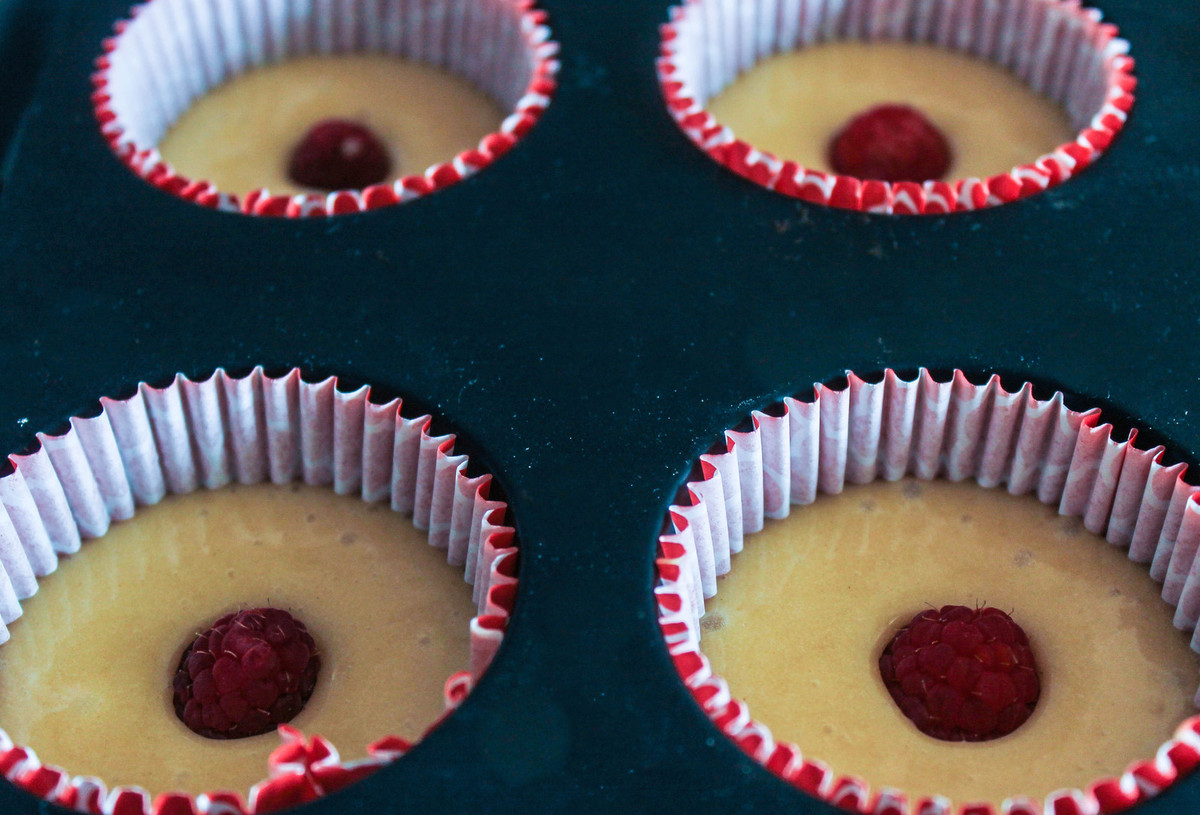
x: 792, y: 104
x: 798, y: 625
x: 240, y: 135
x: 86, y: 678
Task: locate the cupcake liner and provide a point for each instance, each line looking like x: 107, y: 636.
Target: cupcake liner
x: 922, y: 427
x: 303, y: 770
x: 170, y: 52
x: 210, y: 433
x: 1060, y: 49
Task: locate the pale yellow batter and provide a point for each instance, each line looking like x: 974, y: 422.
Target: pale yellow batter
x: 792, y: 104
x: 798, y: 625
x: 240, y: 135
x: 86, y: 678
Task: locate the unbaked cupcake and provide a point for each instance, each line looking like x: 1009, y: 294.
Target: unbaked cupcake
x: 902, y: 107
x: 156, y: 663
x: 297, y: 108
x: 813, y: 633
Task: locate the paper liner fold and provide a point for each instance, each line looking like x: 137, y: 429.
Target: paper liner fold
x: 1060, y: 49
x: 302, y: 769
x: 248, y: 429
x: 922, y: 427
x: 170, y: 52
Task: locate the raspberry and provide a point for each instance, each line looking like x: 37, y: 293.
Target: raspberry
x: 962, y: 674
x: 890, y: 143
x: 337, y: 154
x: 248, y: 673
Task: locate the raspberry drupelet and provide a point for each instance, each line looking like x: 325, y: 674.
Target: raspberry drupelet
x: 246, y: 674
x: 962, y: 674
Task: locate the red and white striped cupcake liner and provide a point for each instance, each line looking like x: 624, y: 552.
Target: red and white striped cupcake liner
x: 927, y: 429
x: 170, y: 52
x: 210, y: 433
x: 1060, y: 49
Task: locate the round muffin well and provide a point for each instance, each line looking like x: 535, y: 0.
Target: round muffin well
x: 1058, y: 49
x: 887, y: 429
x: 173, y: 52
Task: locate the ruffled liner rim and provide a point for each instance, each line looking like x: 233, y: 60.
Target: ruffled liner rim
x: 212, y: 432
x: 145, y: 160
x: 927, y: 429
x: 905, y: 198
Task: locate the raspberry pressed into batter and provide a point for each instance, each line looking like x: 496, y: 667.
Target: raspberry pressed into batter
x: 962, y: 674
x: 337, y: 154
x: 248, y: 673
x: 890, y: 143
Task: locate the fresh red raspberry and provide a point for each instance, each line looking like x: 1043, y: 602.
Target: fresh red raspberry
x: 962, y: 674
x: 890, y: 143
x: 337, y: 154
x: 249, y: 672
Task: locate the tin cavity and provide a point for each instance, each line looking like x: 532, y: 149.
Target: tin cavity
x: 865, y: 431
x: 171, y: 52
x: 1057, y: 48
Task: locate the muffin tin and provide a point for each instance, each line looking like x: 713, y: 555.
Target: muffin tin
x: 588, y: 315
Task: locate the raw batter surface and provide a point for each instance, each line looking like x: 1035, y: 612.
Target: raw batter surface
x: 792, y: 104
x: 798, y: 625
x: 240, y: 135
x: 86, y: 678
